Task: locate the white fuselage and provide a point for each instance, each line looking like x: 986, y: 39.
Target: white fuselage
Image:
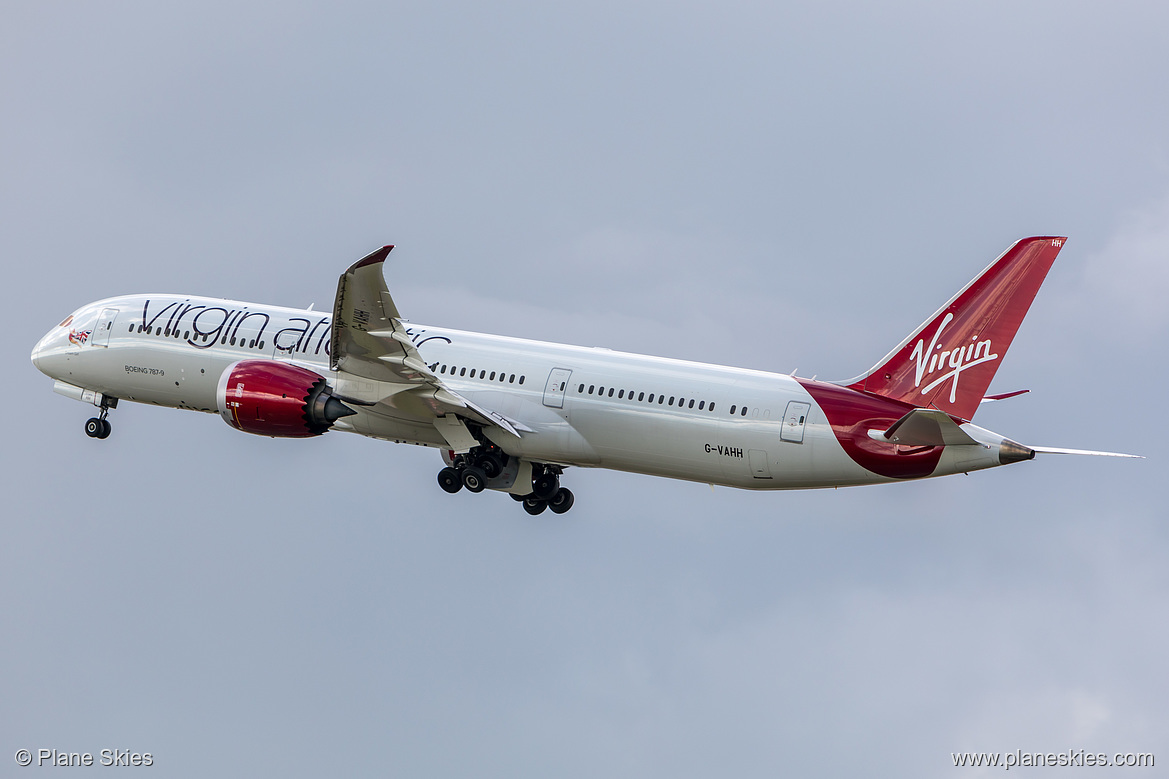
x: 586, y: 407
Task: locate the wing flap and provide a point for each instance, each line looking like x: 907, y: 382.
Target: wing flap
x: 455, y: 433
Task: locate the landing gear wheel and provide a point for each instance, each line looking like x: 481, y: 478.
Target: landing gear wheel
x: 490, y: 465
x: 562, y: 501
x: 449, y: 480
x: 534, y: 506
x: 545, y: 486
x: 474, y: 479
x: 94, y: 428
x: 106, y: 427
x: 520, y: 498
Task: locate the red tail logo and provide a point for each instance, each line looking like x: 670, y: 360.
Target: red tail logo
x: 948, y: 363
x: 957, y: 360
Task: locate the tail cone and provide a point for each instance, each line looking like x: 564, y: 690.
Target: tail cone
x: 1011, y: 452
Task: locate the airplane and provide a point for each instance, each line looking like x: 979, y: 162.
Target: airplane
x: 512, y: 415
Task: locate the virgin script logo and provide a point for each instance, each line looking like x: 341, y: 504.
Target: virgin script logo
x: 939, y: 359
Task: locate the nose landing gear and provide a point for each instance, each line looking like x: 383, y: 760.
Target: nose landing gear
x: 99, y: 426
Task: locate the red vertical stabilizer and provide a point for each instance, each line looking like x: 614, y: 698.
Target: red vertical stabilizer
x: 949, y: 361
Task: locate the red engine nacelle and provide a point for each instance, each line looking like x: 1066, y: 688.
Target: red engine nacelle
x: 277, y: 399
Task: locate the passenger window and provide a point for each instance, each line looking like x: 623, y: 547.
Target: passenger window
x: 620, y: 394
x: 610, y: 392
x: 701, y: 403
x: 733, y: 410
x: 743, y: 413
x: 641, y: 396
x: 691, y: 403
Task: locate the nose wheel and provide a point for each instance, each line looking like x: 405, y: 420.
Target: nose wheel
x: 99, y: 426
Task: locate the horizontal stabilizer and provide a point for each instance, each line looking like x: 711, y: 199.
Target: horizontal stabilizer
x: 928, y: 427
x: 1003, y: 396
x: 1058, y: 450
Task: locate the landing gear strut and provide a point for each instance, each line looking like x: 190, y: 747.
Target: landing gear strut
x: 99, y: 426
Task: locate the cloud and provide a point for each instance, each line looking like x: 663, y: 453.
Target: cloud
x: 1129, y: 278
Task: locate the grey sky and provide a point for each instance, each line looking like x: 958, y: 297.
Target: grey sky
x: 773, y: 187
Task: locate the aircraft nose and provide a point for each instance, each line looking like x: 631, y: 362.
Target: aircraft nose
x: 43, y: 352
x: 36, y: 353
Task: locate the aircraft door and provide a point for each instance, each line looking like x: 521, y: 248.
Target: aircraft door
x: 104, y: 326
x: 757, y: 458
x: 793, y: 421
x: 554, y: 389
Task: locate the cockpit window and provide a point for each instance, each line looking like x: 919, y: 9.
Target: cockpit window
x: 68, y: 319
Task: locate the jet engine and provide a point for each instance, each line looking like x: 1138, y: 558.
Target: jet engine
x: 277, y: 399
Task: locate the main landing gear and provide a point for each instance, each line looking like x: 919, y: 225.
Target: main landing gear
x: 560, y: 502
x: 474, y: 469
x: 99, y: 426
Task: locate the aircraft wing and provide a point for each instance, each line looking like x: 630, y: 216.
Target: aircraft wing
x: 377, y: 361
x: 368, y: 337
